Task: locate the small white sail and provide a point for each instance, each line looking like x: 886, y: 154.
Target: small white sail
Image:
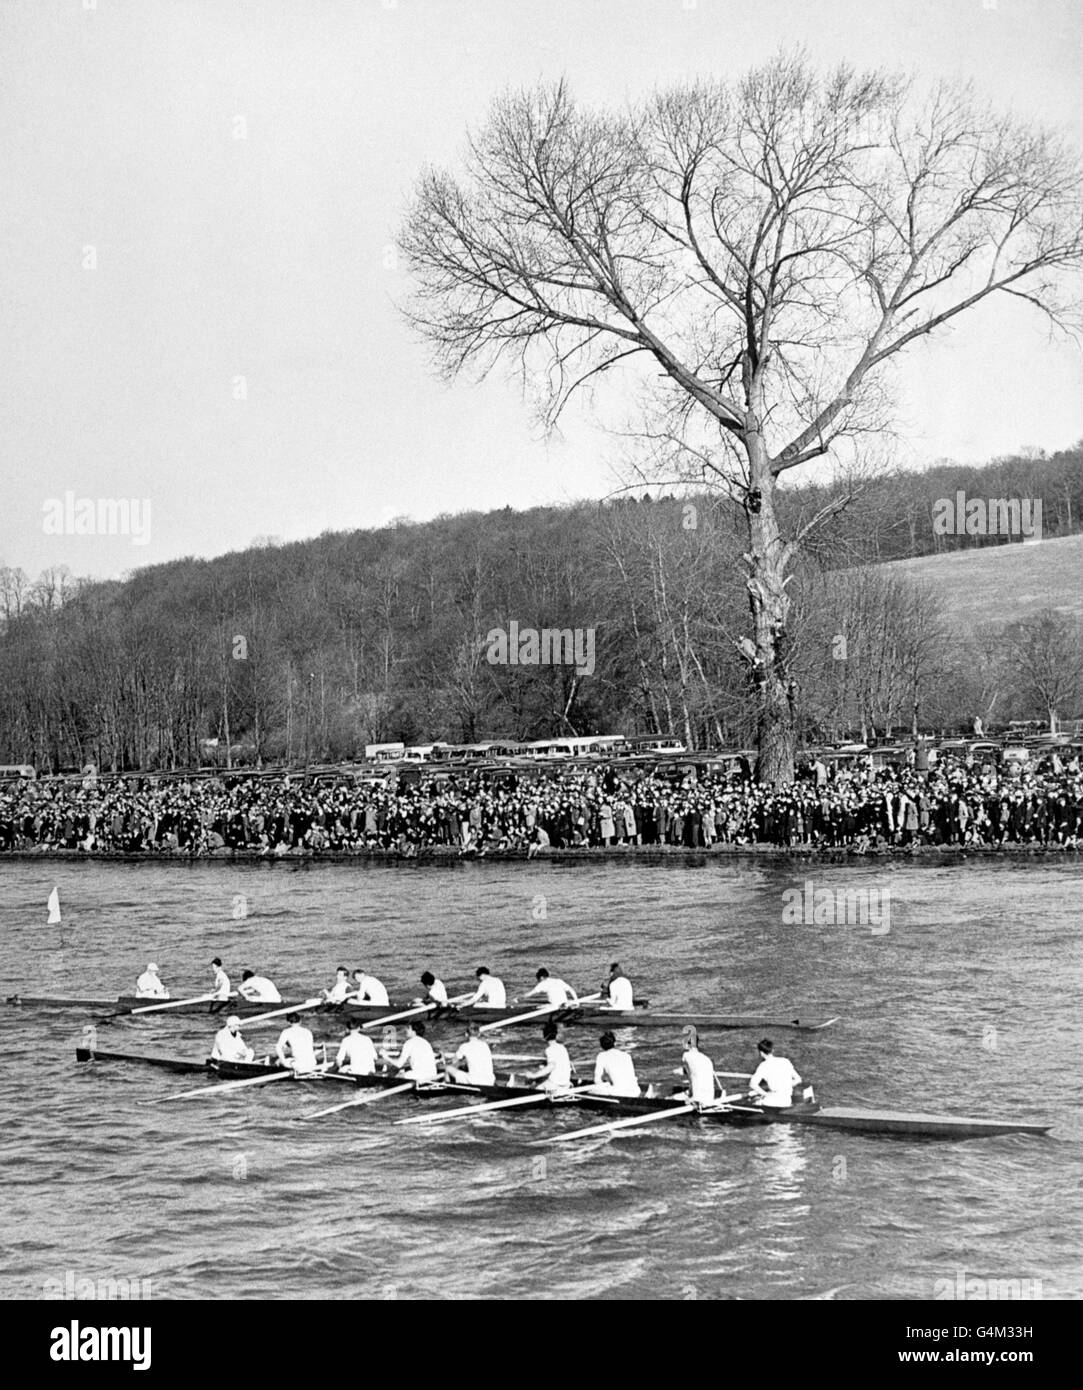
x: 54, y: 908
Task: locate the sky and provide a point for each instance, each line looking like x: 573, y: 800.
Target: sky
x: 200, y: 295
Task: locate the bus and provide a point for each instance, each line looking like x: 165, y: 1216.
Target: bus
x: 659, y: 745
x: 19, y: 772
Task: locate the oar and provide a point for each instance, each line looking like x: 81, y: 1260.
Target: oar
x: 439, y: 1117
x: 617, y: 1124
x: 631, y: 1123
x: 405, y: 1013
x: 172, y: 1004
x: 277, y: 1013
x: 362, y: 1100
x: 223, y: 1087
x: 537, y: 1013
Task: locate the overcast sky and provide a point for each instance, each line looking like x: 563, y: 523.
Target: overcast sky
x: 238, y: 168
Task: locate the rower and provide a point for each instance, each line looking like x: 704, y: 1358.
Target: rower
x: 229, y: 1046
x: 149, y: 986
x: 340, y: 989
x: 554, y: 991
x: 221, y: 985
x: 435, y: 990
x: 490, y: 993
x: 773, y: 1080
x: 617, y: 990
x: 416, y: 1061
x: 477, y: 1057
x: 698, y: 1068
x: 368, y: 989
x: 557, y: 1072
x: 296, y: 1047
x: 258, y: 988
x: 614, y: 1071
x: 357, y: 1052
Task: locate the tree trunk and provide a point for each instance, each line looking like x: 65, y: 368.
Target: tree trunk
x: 776, y: 735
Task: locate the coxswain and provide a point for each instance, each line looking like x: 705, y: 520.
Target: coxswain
x: 229, y: 1046
x: 554, y: 991
x: 698, y: 1068
x: 340, y: 989
x: 490, y: 993
x: 556, y: 1074
x: 416, y: 1061
x: 435, y: 990
x: 614, y: 1071
x: 367, y: 989
x: 221, y: 985
x: 258, y: 988
x: 356, y: 1053
x: 773, y: 1080
x: 149, y: 986
x: 617, y: 990
x: 296, y: 1047
x: 476, y: 1058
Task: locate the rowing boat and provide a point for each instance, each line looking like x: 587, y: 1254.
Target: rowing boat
x: 914, y: 1125
x: 642, y: 1016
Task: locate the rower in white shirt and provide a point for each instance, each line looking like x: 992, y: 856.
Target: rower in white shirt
x: 368, y: 989
x: 149, y: 986
x: 698, y: 1068
x: 476, y: 1057
x: 258, y: 989
x: 357, y: 1053
x: 614, y: 1071
x: 490, y: 992
x: 552, y: 990
x: 617, y: 991
x: 773, y: 1080
x: 416, y: 1061
x: 296, y: 1047
x: 556, y: 1075
x: 340, y: 989
x: 435, y: 990
x: 229, y: 1046
x: 220, y: 988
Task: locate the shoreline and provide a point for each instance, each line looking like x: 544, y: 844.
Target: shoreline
x: 446, y: 855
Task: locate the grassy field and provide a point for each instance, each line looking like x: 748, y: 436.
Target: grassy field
x: 1004, y: 583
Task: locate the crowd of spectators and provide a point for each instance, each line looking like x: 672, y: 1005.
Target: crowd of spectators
x: 957, y: 801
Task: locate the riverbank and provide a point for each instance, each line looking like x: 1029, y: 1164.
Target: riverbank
x: 586, y: 854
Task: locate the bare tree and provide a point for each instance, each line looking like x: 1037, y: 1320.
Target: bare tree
x: 771, y: 246
x: 1048, y: 663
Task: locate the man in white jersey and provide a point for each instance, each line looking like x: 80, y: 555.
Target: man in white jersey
x: 435, y: 990
x: 553, y: 991
x: 698, y: 1069
x: 476, y: 1057
x: 416, y: 1061
x: 773, y: 1080
x: 220, y: 988
x: 357, y: 1053
x: 490, y: 993
x: 617, y: 990
x: 340, y: 989
x: 614, y: 1071
x: 296, y: 1047
x: 149, y: 986
x: 229, y: 1046
x: 258, y: 989
x: 368, y: 989
x: 556, y: 1075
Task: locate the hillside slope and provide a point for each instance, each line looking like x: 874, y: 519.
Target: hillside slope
x: 1000, y: 584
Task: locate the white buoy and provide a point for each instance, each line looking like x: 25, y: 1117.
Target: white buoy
x: 54, y: 908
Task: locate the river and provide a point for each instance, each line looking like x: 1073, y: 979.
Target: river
x: 963, y: 997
